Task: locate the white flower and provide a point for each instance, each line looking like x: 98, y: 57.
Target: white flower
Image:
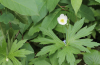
x: 62, y: 19
x: 7, y: 59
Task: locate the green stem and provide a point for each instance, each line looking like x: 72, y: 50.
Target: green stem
x: 67, y: 35
x: 62, y: 7
x: 63, y: 33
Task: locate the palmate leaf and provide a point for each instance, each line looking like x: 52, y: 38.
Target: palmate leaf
x: 52, y: 48
x: 75, y: 41
x: 24, y: 7
x: 14, y: 52
x: 73, y: 46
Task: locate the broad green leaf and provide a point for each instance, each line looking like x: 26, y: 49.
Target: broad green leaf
x: 86, y: 12
x: 51, y: 4
x: 76, y: 4
x: 50, y: 21
x: 65, y: 1
x: 6, y: 18
x: 92, y: 58
x: 98, y: 1
x: 24, y: 7
x: 1, y: 6
x: 42, y: 11
x: 71, y: 16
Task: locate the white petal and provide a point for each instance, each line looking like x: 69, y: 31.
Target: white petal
x: 58, y: 19
x: 61, y: 15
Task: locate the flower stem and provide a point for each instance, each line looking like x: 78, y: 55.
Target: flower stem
x: 67, y: 35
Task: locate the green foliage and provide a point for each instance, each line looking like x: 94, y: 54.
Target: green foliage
x: 21, y: 7
x: 86, y: 12
x: 92, y: 58
x: 51, y: 4
x: 6, y: 17
x: 76, y: 5
x: 31, y: 33
x: 98, y: 1
x: 50, y: 21
x: 74, y: 45
x: 41, y: 4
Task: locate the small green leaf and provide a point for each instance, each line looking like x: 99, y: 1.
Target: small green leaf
x: 6, y: 18
x: 76, y: 5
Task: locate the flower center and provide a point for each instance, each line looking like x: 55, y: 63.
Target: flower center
x: 62, y: 20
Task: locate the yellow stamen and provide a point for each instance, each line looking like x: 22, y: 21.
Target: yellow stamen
x: 62, y: 20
